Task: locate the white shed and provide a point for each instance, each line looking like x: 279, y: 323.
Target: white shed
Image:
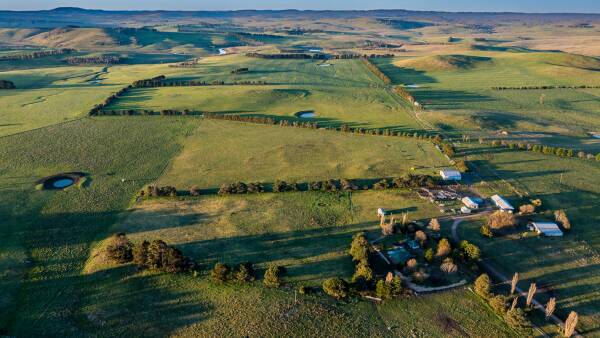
x: 546, y: 228
x: 470, y: 203
x: 502, y: 203
x: 450, y: 175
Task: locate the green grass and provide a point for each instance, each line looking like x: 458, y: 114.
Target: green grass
x: 225, y: 152
x: 47, y: 234
x: 456, y: 96
x: 569, y: 265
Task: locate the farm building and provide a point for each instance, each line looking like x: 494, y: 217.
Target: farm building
x: 381, y: 212
x: 502, y: 203
x: 471, y: 203
x: 546, y: 228
x: 450, y: 175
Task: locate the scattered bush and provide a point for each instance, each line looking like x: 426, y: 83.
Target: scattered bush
x: 336, y: 288
x: 272, y: 277
x: 429, y: 255
x: 469, y: 251
x: 498, y: 304
x: 220, y: 273
x: 486, y: 231
x: 244, y: 273
x: 483, y: 286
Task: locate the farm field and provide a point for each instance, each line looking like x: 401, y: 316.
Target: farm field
x: 567, y: 267
x: 456, y: 92
x: 221, y: 152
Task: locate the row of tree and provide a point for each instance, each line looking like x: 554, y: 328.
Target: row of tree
x: 94, y: 60
x: 375, y: 70
x: 192, y: 83
x: 5, y: 84
x: 35, y: 54
x: 547, y: 150
x: 318, y: 56
x: 405, y: 94
x: 546, y: 87
x: 99, y: 108
x: 245, y: 272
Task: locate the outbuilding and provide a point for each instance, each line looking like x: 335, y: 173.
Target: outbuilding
x: 502, y: 203
x: 450, y: 175
x: 381, y: 212
x: 471, y: 203
x: 546, y: 228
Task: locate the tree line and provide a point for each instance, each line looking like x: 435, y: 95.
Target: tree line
x: 547, y: 150
x: 375, y: 70
x: 405, y: 94
x: 547, y: 87
x: 317, y: 56
x: 193, y: 83
x: 36, y: 54
x: 94, y: 60
x: 5, y: 84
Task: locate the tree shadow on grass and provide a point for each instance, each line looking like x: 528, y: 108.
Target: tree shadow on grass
x: 450, y: 99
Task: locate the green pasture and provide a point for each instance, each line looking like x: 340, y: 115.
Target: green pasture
x: 221, y: 152
x: 457, y: 94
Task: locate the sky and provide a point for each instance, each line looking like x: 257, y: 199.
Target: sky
x: 539, y: 6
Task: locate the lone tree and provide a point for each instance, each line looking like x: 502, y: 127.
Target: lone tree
x: 550, y: 307
x: 571, y: 323
x: 360, y: 249
x: 244, y: 272
x: 336, y: 287
x: 434, y: 225
x: 483, y: 286
x: 501, y: 220
x: 531, y: 293
x: 513, y: 283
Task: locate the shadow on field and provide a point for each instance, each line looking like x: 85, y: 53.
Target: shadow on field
x: 401, y: 75
x: 450, y: 99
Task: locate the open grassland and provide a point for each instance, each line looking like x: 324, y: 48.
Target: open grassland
x: 566, y: 267
x: 457, y: 94
x: 48, y: 96
x: 46, y: 235
x: 221, y: 152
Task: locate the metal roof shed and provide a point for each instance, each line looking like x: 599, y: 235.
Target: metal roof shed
x: 502, y: 203
x: 450, y: 175
x: 547, y: 229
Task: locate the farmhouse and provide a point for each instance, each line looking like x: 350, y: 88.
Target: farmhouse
x: 450, y: 175
x: 470, y: 202
x: 546, y: 228
x: 501, y: 203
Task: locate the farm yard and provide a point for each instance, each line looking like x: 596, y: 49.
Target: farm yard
x: 268, y: 182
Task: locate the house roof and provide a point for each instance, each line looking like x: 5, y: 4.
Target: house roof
x: 547, y: 228
x: 450, y: 173
x: 502, y: 203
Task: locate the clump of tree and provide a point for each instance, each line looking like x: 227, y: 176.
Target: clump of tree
x: 561, y: 218
x: 283, y: 186
x: 469, y: 251
x: 327, y: 185
x: 241, y: 188
x: 415, y: 181
x: 156, y: 191
x: 5, y: 84
x: 35, y: 54
x: 220, y: 272
x: 501, y: 220
x: 526, y: 209
x: 245, y: 272
x: 391, y: 287
x: 155, y: 255
x: 483, y: 286
x: 240, y: 70
x: 336, y: 288
x: 375, y: 70
x: 273, y: 275
x: 443, y: 248
x: 151, y: 82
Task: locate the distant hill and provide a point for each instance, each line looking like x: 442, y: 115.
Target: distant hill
x: 63, y: 16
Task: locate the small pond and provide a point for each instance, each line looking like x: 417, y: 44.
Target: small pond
x: 62, y: 183
x: 306, y: 114
x: 412, y: 86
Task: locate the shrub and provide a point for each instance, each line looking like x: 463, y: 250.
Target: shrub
x: 140, y: 254
x: 383, y: 290
x: 120, y: 248
x: 336, y: 288
x: 500, y: 220
x: 434, y: 225
x: 562, y: 219
x: 412, y: 264
x: 483, y: 286
x: 360, y: 248
x: 244, y: 272
x: 162, y: 257
x: 469, y: 251
x: 396, y: 286
x: 443, y: 248
x: 498, y: 304
x: 272, y: 276
x: 486, y: 231
x: 448, y: 266
x: 516, y: 319
x: 363, y: 272
x: 381, y: 185
x: 220, y: 273
x: 527, y: 209
x: 429, y: 255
